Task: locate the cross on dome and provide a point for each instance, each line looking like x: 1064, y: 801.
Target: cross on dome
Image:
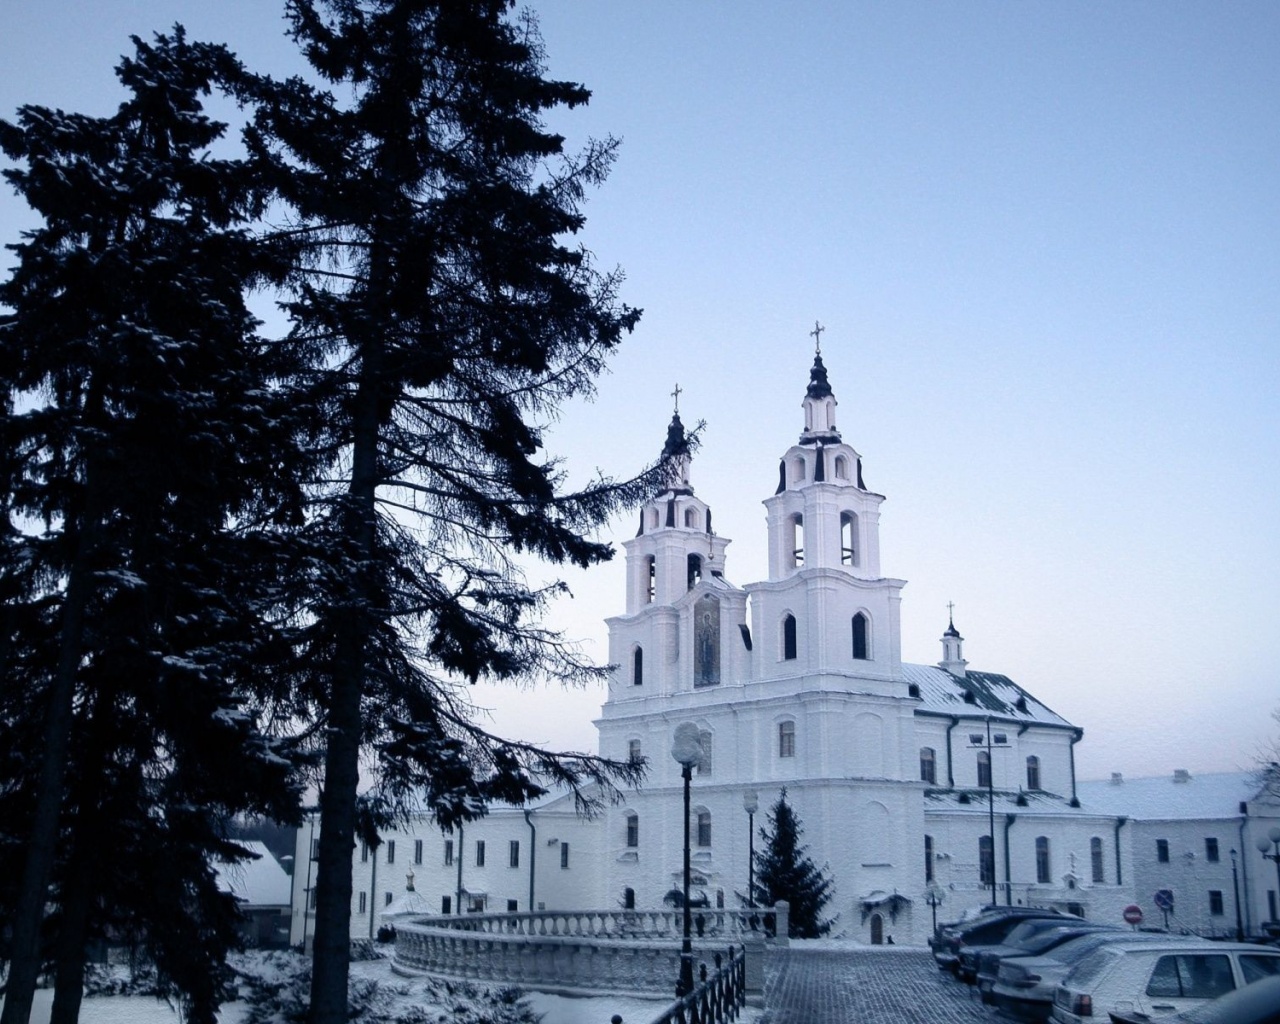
x: 816, y: 335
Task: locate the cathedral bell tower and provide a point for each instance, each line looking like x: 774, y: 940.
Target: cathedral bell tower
x: 826, y: 599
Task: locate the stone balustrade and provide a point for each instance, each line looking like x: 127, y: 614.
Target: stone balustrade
x: 573, y: 952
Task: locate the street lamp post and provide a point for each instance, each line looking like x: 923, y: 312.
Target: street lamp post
x: 686, y: 748
x: 1235, y: 887
x: 1269, y: 847
x: 751, y: 803
x: 934, y: 897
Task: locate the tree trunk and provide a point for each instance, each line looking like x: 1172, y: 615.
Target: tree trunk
x: 331, y: 956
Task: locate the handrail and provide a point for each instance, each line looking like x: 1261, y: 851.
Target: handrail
x: 714, y: 1000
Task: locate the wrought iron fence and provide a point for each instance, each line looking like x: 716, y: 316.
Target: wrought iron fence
x: 717, y: 999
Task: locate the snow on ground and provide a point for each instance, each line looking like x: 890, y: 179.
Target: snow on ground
x: 553, y: 1009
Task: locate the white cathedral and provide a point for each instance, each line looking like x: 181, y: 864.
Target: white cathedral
x: 922, y: 789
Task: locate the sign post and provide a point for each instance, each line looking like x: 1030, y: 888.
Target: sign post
x: 1164, y: 900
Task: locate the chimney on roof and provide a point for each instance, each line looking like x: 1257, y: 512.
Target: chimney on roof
x: 1181, y: 775
x: 1116, y: 778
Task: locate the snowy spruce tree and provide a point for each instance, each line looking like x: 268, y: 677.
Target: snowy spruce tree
x: 146, y: 472
x: 441, y: 314
x: 785, y: 872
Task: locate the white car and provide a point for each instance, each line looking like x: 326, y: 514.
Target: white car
x: 1157, y: 979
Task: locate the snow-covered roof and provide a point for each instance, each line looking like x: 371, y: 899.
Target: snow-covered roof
x: 1156, y: 799
x: 258, y: 882
x: 977, y: 695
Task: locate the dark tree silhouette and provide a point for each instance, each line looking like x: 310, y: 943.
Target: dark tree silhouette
x: 785, y: 872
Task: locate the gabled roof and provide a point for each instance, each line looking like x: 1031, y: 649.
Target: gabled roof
x: 1162, y: 798
x: 261, y: 882
x: 977, y: 695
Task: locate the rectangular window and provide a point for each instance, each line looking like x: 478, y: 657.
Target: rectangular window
x: 564, y: 855
x: 479, y: 853
x: 311, y: 899
x: 984, y: 769
x: 633, y: 751
x: 1000, y: 738
x: 704, y: 828
x: 513, y: 853
x: 364, y: 853
x: 1211, y: 850
x: 1042, y: 860
x: 386, y: 899
x: 446, y: 905
x: 975, y: 739
x: 786, y: 739
x: 1191, y: 976
x: 1162, y: 851
x: 1095, y: 856
x: 315, y: 849
x: 1215, y: 902
x: 391, y: 851
x: 633, y: 831
x: 512, y: 906
x: 364, y: 902
x: 928, y: 858
x: 928, y: 765
x: 986, y: 861
x: 417, y: 851
x: 448, y: 852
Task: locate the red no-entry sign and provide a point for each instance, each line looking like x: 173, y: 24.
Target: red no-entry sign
x: 1133, y: 914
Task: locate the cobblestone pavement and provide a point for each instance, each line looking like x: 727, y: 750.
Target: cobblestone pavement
x: 865, y: 986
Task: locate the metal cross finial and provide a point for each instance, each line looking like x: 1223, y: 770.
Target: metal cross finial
x: 951, y: 607
x: 816, y: 335
x: 676, y: 395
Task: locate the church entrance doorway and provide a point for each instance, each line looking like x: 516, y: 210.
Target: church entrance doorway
x: 877, y: 930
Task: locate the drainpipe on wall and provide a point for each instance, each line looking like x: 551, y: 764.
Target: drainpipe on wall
x: 951, y: 775
x: 1244, y: 871
x: 533, y: 854
x: 459, y: 894
x: 1076, y: 736
x: 1009, y: 819
x: 1119, y: 872
x: 373, y: 889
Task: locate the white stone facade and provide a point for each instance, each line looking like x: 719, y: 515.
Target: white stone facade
x: 797, y: 681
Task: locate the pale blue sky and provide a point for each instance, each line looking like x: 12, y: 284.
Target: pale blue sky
x: 1043, y: 240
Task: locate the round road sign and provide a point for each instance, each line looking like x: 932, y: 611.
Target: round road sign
x: 1133, y: 914
x: 1164, y: 899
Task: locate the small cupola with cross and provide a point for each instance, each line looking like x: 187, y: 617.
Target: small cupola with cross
x: 952, y: 653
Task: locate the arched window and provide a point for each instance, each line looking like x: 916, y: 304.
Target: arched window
x: 704, y: 766
x: 1095, y: 857
x: 1033, y: 772
x: 653, y: 519
x: 984, y: 769
x: 628, y: 899
x: 848, y: 538
x: 633, y: 831
x: 637, y: 667
x: 986, y: 861
x: 788, y: 637
x: 928, y: 859
x: 695, y: 570
x: 860, y: 637
x: 633, y: 751
x: 719, y: 899
x: 691, y: 518
x: 704, y: 828
x: 786, y: 739
x: 928, y: 765
x: 797, y: 540
x: 1042, y: 859
x: 797, y: 469
x: 650, y: 581
x: 842, y: 468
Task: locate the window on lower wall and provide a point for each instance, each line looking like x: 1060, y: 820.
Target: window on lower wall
x: 1215, y: 902
x: 1095, y: 858
x: 417, y: 851
x: 704, y: 828
x: 479, y: 853
x: 928, y: 765
x: 446, y: 905
x: 1211, y: 850
x: 1162, y: 851
x: 513, y: 853
x: 391, y: 851
x: 789, y: 638
x: 786, y: 739
x: 928, y: 858
x: 984, y: 769
x: 364, y: 902
x: 564, y: 855
x: 633, y: 831
x: 986, y: 861
x: 1042, y: 860
x: 1033, y: 772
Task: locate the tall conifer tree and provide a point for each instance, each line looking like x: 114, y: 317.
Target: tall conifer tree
x: 784, y: 871
x: 442, y: 314
x: 139, y: 428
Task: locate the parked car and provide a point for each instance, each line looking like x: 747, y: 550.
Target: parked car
x: 1025, y: 985
x: 988, y: 928
x: 1036, y: 941
x: 1256, y: 1003
x: 1158, y: 978
x: 970, y: 952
